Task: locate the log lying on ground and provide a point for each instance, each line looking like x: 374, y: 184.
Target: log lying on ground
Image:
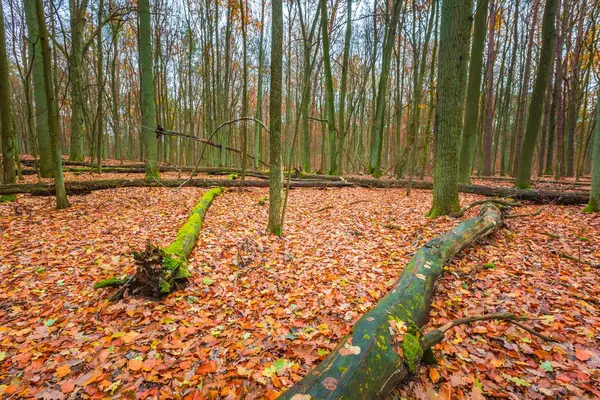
x: 84, y: 187
x: 534, y: 181
x: 158, y: 271
x: 370, y: 361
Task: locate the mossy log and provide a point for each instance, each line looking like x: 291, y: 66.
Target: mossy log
x: 370, y: 361
x: 159, y: 270
x: 85, y: 187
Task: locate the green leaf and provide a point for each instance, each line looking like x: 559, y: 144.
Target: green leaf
x: 277, y: 367
x: 208, y: 281
x: 546, y: 366
x: 50, y: 322
x: 517, y: 381
x: 192, y: 299
x: 2, y: 356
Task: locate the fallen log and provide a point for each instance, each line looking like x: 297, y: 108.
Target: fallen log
x: 384, y: 346
x: 84, y: 187
x: 536, y: 196
x: 158, y: 271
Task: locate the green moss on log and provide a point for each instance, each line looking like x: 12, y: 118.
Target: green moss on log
x: 369, y: 358
x: 8, y: 198
x: 158, y: 270
x: 114, y: 281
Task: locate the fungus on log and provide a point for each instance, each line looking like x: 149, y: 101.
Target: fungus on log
x: 159, y: 270
x: 384, y: 346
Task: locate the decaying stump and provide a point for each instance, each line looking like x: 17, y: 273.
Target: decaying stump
x: 158, y: 271
x: 385, y: 345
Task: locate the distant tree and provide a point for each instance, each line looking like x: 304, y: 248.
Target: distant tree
x: 537, y: 97
x: 455, y: 34
x: 329, y: 96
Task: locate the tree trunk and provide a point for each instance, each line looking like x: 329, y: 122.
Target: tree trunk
x: 61, y: 195
x: 518, y: 135
x: 469, y: 136
x: 39, y: 92
x: 370, y: 361
x: 489, y: 125
x: 275, y: 160
x: 148, y: 122
x: 344, y: 83
x: 259, y: 95
x: 594, y: 202
x: 455, y: 33
x: 8, y: 133
x: 380, y: 104
x: 537, y: 98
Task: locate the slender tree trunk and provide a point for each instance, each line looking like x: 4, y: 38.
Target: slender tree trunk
x: 469, y: 137
x: 560, y: 106
x: 523, y: 99
x: 61, y: 194
x: 259, y: 94
x: 244, y: 92
x: 489, y: 125
x: 594, y: 203
x: 343, y: 85
x: 537, y: 98
x: 275, y: 173
x: 455, y: 34
x: 379, y: 122
x: 100, y: 88
x: 8, y: 133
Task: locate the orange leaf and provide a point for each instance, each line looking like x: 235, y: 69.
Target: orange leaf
x: 207, y: 368
x: 583, y: 355
x: 63, y: 371
x: 135, y: 365
x: 434, y: 375
x: 67, y: 387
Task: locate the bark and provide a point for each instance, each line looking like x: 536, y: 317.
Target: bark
x: 244, y: 91
x: 259, y: 95
x: 159, y: 271
x: 78, y: 12
x: 467, y: 147
x: 100, y: 90
x: 370, y: 362
x: 489, y: 125
x: 455, y: 33
x: 380, y: 104
x: 343, y: 86
x: 8, y: 133
x: 329, y: 96
x: 61, y: 196
x: 523, y: 98
x: 149, y: 142
x: 39, y: 91
x: 537, y: 96
x: 275, y: 160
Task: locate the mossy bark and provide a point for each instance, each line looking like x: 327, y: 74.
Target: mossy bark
x: 159, y: 270
x: 369, y: 362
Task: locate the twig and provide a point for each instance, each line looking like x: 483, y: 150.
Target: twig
x: 437, y: 335
x: 504, y: 204
x: 537, y: 212
x: 576, y: 259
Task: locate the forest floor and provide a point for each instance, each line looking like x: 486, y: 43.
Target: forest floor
x: 260, y: 311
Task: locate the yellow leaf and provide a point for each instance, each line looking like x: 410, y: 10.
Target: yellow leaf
x: 434, y: 375
x: 63, y: 371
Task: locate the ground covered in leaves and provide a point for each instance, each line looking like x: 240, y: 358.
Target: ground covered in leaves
x: 260, y: 311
